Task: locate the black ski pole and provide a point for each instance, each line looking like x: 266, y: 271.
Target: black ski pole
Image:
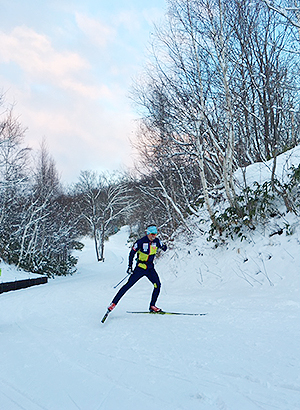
x: 120, y: 281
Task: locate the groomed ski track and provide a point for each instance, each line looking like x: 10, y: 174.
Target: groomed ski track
x: 243, y: 355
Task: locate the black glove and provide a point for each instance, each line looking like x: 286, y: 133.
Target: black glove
x: 164, y: 247
x: 129, y: 270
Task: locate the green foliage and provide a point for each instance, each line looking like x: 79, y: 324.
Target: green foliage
x: 254, y: 206
x: 295, y: 175
x: 288, y: 229
x: 50, y: 266
x: 78, y: 246
x: 56, y: 263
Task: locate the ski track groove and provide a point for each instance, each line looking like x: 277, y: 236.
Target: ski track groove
x: 22, y: 394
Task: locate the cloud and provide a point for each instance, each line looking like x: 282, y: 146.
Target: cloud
x: 97, y: 32
x: 85, y: 121
x: 36, y: 57
x: 70, y: 77
x: 78, y: 139
x: 130, y: 20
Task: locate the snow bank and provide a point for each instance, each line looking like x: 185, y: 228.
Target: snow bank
x: 261, y: 171
x: 9, y: 273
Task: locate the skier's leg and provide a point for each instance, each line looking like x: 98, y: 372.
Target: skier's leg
x: 137, y: 274
x: 153, y: 277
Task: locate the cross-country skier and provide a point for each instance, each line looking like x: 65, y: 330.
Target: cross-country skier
x: 145, y: 249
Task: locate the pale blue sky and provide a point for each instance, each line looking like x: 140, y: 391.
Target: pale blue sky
x: 68, y: 65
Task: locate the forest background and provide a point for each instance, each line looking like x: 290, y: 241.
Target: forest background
x: 220, y: 92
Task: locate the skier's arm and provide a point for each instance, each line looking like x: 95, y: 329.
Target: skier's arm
x: 130, y: 259
x: 132, y: 253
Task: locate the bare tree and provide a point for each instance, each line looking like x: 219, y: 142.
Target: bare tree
x: 221, y: 91
x: 290, y: 10
x: 14, y: 165
x: 37, y: 212
x: 102, y: 201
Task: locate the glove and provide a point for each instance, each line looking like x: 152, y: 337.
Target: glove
x: 129, y: 270
x: 164, y: 247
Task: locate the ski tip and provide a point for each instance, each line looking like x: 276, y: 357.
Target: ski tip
x: 105, y: 316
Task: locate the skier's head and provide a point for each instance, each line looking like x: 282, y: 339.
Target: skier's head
x: 151, y: 231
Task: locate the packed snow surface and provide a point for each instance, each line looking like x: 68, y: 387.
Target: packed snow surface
x: 243, y: 355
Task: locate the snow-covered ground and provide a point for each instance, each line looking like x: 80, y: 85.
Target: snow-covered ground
x: 243, y: 355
